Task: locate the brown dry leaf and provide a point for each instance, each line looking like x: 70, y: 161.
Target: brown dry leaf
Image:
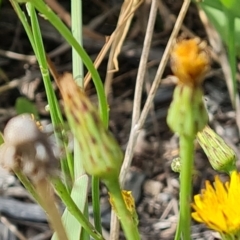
x: 125, y: 18
x: 117, y: 38
x: 124, y: 21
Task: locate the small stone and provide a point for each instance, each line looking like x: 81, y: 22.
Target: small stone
x: 152, y: 188
x: 162, y: 225
x: 174, y: 183
x: 134, y: 183
x: 164, y: 197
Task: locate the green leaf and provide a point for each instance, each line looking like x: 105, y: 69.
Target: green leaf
x: 220, y: 21
x: 23, y: 105
x: 220, y: 4
x: 232, y: 5
x: 1, y: 138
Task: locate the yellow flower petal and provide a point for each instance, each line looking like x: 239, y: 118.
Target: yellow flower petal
x: 218, y: 206
x: 221, y: 191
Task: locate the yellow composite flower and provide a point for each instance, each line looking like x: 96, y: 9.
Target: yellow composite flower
x: 190, y: 61
x: 218, y: 206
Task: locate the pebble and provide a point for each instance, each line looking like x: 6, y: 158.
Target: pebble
x: 152, y: 188
x: 134, y: 183
x: 164, y: 197
x: 162, y: 225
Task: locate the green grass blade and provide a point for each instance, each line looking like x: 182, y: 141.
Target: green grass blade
x: 55, y: 112
x: 220, y: 21
x: 76, y: 14
x: 96, y: 204
x: 78, y: 73
x: 49, y: 91
x: 41, y: 56
x: 215, y: 4
x: 228, y: 28
x: 73, y: 209
x: 21, y: 15
x: 232, y: 54
x: 64, y: 31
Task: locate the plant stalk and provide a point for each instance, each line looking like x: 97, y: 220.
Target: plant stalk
x: 186, y: 155
x: 127, y: 221
x: 45, y: 192
x: 74, y: 210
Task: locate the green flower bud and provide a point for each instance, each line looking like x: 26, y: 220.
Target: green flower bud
x: 221, y: 156
x: 176, y: 165
x: 101, y: 154
x: 187, y: 114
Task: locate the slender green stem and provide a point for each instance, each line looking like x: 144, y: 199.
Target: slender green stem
x: 55, y: 112
x: 96, y: 204
x: 76, y: 14
x: 178, y: 231
x: 41, y: 56
x: 74, y: 210
x: 84, y: 234
x: 78, y: 73
x: 186, y: 155
x: 232, y: 54
x: 45, y: 202
x: 125, y: 217
x: 24, y: 21
x: 47, y: 198
x: 28, y: 185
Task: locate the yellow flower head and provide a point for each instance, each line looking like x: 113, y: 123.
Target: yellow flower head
x: 190, y: 61
x: 218, y: 206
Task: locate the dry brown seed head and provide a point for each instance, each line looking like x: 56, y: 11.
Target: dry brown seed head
x: 26, y: 148
x: 21, y: 130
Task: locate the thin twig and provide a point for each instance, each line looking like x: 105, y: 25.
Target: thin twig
x: 171, y: 19
x: 138, y: 125
x: 18, y: 56
x: 112, y: 66
x: 143, y: 63
x: 114, y: 226
x: 47, y: 198
x: 138, y: 91
x: 107, y: 45
x: 12, y: 228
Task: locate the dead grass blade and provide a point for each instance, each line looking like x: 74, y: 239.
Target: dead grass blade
x: 117, y: 38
